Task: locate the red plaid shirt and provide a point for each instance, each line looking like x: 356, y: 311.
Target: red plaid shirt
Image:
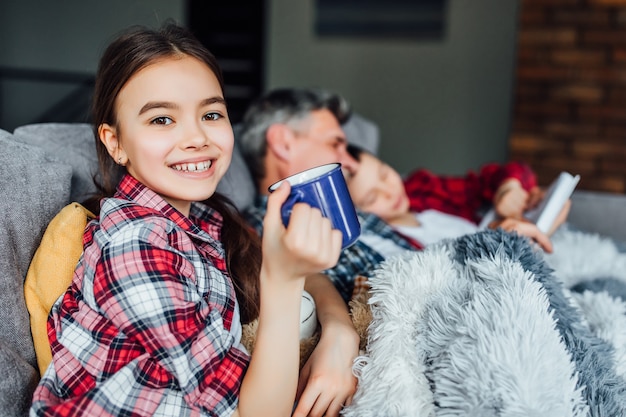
x: 150, y: 323
x: 464, y: 196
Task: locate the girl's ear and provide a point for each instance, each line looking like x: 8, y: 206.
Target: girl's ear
x: 279, y: 140
x: 108, y: 137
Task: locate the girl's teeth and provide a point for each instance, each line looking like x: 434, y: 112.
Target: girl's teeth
x: 191, y: 167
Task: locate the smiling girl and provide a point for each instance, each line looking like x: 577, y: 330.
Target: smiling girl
x: 151, y: 324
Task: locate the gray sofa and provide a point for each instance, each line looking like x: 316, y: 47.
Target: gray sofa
x: 47, y: 166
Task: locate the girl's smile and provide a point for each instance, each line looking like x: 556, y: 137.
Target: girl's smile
x: 193, y: 167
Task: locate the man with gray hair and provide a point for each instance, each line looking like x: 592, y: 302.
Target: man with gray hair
x: 284, y: 132
x: 290, y: 130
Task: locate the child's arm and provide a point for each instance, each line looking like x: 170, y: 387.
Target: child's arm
x: 307, y: 246
x: 524, y: 228
x: 464, y: 195
x: 511, y: 199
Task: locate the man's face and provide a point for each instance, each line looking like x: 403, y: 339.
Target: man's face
x: 319, y: 140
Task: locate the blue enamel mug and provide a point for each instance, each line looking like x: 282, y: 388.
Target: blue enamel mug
x: 323, y: 187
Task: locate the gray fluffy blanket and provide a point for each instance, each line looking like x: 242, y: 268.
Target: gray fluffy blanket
x: 481, y: 326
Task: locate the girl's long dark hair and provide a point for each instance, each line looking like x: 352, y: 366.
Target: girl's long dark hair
x: 125, y: 56
x: 243, y: 255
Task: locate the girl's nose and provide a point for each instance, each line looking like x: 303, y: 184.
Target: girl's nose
x: 195, y: 137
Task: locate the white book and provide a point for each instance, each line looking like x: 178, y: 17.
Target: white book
x: 555, y: 197
x: 545, y: 213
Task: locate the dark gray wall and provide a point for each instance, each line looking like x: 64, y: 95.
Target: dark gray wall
x: 444, y: 105
x: 63, y: 35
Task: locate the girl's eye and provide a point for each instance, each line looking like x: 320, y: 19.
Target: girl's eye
x: 212, y: 116
x: 163, y: 120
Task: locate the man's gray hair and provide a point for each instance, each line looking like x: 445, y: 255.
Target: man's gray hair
x: 283, y: 106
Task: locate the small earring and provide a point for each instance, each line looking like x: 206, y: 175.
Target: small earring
x: 119, y: 161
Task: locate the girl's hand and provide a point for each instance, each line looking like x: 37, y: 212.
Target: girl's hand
x: 308, y: 245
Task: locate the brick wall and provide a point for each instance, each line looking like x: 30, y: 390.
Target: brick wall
x: 570, y: 99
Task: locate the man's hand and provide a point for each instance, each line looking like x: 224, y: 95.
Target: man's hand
x: 524, y: 228
x: 326, y: 382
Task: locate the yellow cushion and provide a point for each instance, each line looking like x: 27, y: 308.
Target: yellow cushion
x: 50, y: 272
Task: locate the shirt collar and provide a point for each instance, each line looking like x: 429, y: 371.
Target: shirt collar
x: 202, y: 219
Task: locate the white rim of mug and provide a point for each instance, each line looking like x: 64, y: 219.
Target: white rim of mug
x: 323, y: 170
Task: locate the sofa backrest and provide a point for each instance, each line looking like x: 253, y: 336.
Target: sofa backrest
x: 33, y: 188
x: 69, y: 143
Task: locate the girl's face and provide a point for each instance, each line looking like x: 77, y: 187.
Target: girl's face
x: 377, y: 188
x: 173, y: 133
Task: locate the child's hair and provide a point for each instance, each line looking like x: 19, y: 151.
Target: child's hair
x: 132, y: 51
x: 355, y: 151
